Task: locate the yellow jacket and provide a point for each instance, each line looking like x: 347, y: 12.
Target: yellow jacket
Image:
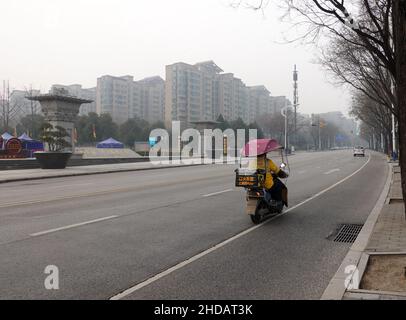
x: 271, y: 167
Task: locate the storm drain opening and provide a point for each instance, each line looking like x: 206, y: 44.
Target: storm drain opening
x: 348, y: 233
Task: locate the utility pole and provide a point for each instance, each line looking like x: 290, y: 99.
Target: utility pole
x: 295, y: 103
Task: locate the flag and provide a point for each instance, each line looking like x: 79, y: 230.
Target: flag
x: 94, y: 132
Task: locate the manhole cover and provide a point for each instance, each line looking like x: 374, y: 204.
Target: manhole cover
x: 348, y: 233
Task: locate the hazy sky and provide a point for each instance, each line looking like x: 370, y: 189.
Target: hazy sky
x: 47, y: 42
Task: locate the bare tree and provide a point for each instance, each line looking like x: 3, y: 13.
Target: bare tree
x: 379, y: 27
x: 9, y: 110
x: 375, y: 116
x: 352, y: 65
x: 34, y: 109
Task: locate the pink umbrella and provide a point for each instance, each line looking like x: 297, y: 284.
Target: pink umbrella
x: 258, y: 147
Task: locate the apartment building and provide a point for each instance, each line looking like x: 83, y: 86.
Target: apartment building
x: 115, y: 96
x: 77, y: 90
x: 241, y: 101
x: 278, y: 103
x: 190, y: 92
x: 259, y: 102
x: 123, y: 98
x: 233, y: 98
x: 201, y: 92
x: 152, y: 99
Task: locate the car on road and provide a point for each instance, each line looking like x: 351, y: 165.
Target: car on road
x: 359, y: 152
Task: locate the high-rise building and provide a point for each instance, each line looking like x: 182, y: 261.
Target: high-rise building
x: 233, y: 98
x: 201, y: 92
x: 277, y: 103
x: 191, y: 92
x: 259, y: 102
x: 152, y: 99
x: 123, y: 98
x: 118, y: 97
x: 76, y: 90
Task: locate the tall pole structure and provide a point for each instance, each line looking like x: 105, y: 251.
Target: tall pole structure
x: 295, y: 102
x: 319, y: 124
x: 284, y: 113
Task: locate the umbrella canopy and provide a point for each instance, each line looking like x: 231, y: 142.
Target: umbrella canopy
x: 24, y: 137
x: 110, y: 144
x: 6, y: 136
x: 259, y: 147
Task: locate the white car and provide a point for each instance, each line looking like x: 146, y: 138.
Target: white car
x: 359, y: 152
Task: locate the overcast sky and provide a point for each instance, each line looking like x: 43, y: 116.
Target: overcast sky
x: 47, y: 42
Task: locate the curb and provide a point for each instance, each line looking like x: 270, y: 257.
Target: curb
x: 93, y: 173
x: 356, y: 256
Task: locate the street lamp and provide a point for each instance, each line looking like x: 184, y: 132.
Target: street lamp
x: 284, y: 113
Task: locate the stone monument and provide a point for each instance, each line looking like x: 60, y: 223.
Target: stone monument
x: 61, y: 109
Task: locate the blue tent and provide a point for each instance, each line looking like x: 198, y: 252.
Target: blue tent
x: 6, y: 136
x: 110, y: 144
x: 24, y: 137
x: 31, y: 144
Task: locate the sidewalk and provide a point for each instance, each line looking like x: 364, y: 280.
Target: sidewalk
x: 379, y: 252
x: 37, y: 174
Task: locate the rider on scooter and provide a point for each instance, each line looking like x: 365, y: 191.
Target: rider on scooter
x: 273, y: 186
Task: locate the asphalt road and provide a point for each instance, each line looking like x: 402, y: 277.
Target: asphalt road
x: 108, y: 233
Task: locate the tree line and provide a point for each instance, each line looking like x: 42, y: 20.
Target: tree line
x: 364, y: 46
x: 93, y: 128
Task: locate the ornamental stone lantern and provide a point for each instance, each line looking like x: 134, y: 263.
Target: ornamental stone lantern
x: 61, y: 109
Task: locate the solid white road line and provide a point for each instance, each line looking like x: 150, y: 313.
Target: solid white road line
x: 217, y: 193
x: 332, y: 171
x: 224, y: 243
x: 71, y: 226
x: 52, y: 187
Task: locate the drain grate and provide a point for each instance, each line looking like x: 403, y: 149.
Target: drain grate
x: 348, y: 233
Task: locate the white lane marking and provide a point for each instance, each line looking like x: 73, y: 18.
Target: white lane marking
x: 332, y: 171
x: 224, y: 243
x: 50, y: 187
x: 71, y: 226
x: 99, y: 193
x: 302, y: 172
x: 217, y: 193
x: 73, y: 185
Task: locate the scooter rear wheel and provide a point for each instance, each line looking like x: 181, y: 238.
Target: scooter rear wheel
x: 258, y: 217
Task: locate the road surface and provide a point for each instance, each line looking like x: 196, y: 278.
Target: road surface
x: 109, y: 233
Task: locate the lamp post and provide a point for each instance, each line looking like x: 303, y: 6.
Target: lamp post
x: 295, y: 102
x: 284, y: 113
